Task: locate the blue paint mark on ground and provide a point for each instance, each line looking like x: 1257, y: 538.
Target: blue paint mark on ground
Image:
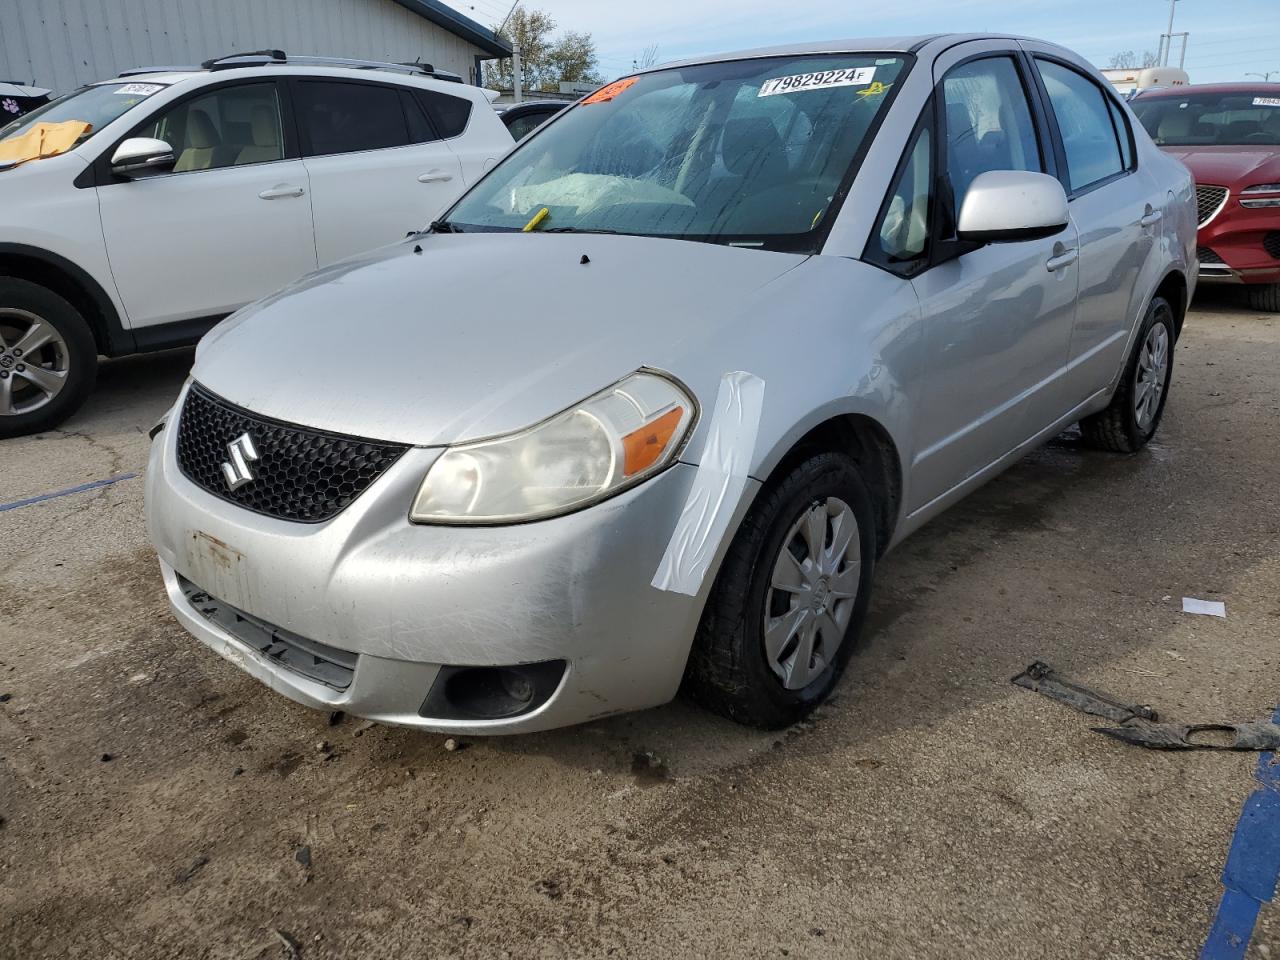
x: 1253, y: 865
x: 66, y: 493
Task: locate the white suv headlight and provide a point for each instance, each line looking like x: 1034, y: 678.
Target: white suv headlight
x: 605, y: 444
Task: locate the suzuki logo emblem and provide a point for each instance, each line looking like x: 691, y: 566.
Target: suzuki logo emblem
x: 242, y: 453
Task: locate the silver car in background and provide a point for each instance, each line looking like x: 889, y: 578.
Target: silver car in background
x: 758, y: 317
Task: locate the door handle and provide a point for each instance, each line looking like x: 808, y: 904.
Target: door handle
x: 1151, y: 218
x: 435, y: 176
x: 1060, y: 260
x: 281, y: 190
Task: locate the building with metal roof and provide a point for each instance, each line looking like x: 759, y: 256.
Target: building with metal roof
x: 65, y: 45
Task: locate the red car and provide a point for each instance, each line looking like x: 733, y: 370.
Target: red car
x: 1229, y: 135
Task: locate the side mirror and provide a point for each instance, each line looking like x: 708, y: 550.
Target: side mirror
x: 139, y: 155
x: 1004, y: 206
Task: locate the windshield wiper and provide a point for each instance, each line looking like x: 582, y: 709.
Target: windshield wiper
x: 576, y: 230
x: 442, y: 226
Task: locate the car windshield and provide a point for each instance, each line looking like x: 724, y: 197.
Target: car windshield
x: 1246, y: 118
x: 97, y: 106
x: 749, y: 152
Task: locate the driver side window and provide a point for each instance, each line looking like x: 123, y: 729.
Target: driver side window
x: 989, y: 124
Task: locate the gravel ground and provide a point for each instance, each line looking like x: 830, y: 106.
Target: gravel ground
x: 158, y: 803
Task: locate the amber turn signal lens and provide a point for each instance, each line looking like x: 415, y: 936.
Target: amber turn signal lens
x: 641, y: 448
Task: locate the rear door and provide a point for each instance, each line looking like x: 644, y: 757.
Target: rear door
x: 230, y: 224
x: 1116, y: 208
x: 997, y: 318
x: 377, y: 166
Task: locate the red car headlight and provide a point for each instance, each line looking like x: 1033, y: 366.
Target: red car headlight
x: 1263, y: 195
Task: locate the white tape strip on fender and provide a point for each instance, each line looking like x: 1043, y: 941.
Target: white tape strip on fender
x: 717, y: 486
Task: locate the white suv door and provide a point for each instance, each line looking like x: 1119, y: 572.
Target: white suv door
x: 231, y: 222
x: 377, y: 165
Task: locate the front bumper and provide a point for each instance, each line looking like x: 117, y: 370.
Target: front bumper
x: 408, y: 599
x: 1241, y: 245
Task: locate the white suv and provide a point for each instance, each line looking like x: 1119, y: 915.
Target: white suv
x: 197, y: 190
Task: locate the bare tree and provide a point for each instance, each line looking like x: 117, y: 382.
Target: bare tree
x: 648, y: 57
x: 1128, y: 60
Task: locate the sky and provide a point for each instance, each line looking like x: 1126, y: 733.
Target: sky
x: 1229, y: 38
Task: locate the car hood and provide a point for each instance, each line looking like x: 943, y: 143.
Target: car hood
x: 1230, y: 166
x: 478, y: 334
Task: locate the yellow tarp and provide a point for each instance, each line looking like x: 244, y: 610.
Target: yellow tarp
x: 43, y: 140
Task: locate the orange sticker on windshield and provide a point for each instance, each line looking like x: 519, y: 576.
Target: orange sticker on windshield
x: 611, y: 90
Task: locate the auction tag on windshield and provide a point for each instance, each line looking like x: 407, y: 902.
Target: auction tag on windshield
x: 1266, y: 101
x: 610, y: 91
x: 140, y: 89
x: 822, y: 80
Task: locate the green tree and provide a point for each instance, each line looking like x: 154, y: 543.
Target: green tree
x: 544, y: 60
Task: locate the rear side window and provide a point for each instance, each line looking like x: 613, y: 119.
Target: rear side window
x: 1084, y: 119
x: 339, y: 117
x: 1124, y: 132
x: 448, y: 114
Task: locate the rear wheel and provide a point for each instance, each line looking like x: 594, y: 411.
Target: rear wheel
x: 1265, y: 296
x: 787, y: 607
x: 48, y: 358
x: 1135, y: 411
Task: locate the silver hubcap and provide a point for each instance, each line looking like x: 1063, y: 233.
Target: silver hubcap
x: 1153, y: 371
x: 33, y: 362
x: 812, y: 593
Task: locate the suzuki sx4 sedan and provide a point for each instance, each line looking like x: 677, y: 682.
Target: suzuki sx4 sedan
x: 646, y: 406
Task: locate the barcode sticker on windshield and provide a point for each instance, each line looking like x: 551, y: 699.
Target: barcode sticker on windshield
x: 140, y: 89
x: 822, y: 80
x: 1266, y: 101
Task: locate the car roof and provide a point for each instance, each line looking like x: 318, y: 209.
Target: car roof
x: 180, y: 75
x: 907, y: 44
x: 1270, y: 89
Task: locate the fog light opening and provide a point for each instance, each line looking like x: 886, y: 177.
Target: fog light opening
x: 491, y: 693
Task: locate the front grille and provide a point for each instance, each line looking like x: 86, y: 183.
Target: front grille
x: 300, y: 474
x: 1271, y: 243
x: 1207, y: 256
x: 1209, y: 200
x: 316, y: 661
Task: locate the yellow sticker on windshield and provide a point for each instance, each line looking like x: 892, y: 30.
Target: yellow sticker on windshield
x: 821, y: 80
x: 875, y: 90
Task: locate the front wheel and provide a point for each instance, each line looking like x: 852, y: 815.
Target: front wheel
x: 48, y: 358
x: 1265, y: 297
x: 1135, y: 410
x: 787, y: 607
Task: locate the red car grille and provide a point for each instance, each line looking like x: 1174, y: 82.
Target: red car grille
x: 1209, y: 201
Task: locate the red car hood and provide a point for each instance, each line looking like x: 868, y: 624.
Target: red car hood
x: 1235, y: 167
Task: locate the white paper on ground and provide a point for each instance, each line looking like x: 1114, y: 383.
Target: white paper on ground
x: 1208, y: 608
x: 717, y: 486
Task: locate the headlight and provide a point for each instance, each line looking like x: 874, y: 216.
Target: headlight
x: 1249, y: 197
x: 594, y: 450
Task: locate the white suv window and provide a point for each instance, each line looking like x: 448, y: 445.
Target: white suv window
x: 226, y: 128
x: 339, y: 117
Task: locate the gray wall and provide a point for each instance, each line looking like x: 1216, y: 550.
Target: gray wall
x: 61, y: 44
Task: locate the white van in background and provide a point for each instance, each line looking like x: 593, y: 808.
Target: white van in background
x: 1130, y: 80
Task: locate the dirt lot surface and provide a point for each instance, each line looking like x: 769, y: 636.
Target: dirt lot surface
x: 158, y: 803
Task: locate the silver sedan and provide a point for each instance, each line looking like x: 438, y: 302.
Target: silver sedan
x: 646, y: 407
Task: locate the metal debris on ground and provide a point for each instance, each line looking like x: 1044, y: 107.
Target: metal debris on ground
x: 1205, y: 608
x: 1192, y: 736
x: 292, y: 950
x: 1041, y: 678
x: 1139, y: 722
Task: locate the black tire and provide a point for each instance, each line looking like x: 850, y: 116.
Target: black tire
x: 1265, y: 297
x: 1117, y: 428
x: 81, y: 357
x: 728, y: 668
